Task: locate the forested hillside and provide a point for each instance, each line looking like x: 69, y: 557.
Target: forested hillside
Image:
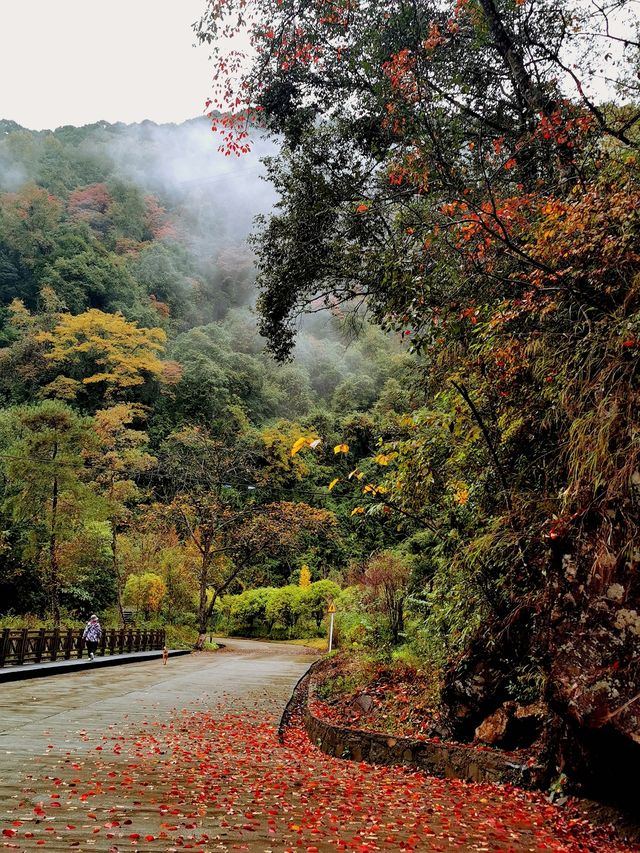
x: 145, y: 435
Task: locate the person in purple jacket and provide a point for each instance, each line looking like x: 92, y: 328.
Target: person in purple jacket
x: 92, y: 635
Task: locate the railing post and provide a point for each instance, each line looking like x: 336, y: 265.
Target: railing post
x: 24, y: 637
x: 13, y: 641
x: 112, y: 641
x: 103, y: 642
x: 39, y: 650
x: 121, y: 641
x: 80, y: 644
x: 68, y: 644
x: 4, y: 645
x: 129, y: 640
x: 55, y: 644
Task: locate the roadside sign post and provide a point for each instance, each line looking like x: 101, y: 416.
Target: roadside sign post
x: 332, y: 613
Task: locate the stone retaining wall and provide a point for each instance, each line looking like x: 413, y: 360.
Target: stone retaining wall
x: 448, y: 760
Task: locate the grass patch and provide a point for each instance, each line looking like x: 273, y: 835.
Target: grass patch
x: 319, y: 643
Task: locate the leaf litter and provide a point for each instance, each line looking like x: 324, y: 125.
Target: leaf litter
x: 208, y: 781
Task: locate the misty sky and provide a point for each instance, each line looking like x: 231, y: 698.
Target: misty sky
x: 79, y: 61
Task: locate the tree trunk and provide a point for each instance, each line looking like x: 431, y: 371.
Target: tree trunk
x: 203, y: 611
x: 396, y: 616
x: 53, y: 557
x: 204, y: 623
x: 116, y: 572
x: 399, y: 629
x: 527, y: 92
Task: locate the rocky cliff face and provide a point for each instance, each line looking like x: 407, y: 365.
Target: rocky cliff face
x: 584, y: 629
x: 594, y: 651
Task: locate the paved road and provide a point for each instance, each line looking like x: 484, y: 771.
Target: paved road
x: 245, y: 672
x: 49, y: 724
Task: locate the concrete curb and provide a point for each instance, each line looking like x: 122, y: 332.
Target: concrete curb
x: 299, y: 692
x: 42, y: 670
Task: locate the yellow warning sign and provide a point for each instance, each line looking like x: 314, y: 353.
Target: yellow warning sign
x: 332, y: 608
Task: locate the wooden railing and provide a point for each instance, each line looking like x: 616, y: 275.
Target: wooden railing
x: 46, y: 644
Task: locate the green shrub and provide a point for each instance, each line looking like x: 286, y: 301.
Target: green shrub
x: 284, y: 608
x: 181, y: 636
x: 247, y: 611
x: 353, y: 628
x: 32, y: 621
x: 315, y: 600
x: 277, y: 613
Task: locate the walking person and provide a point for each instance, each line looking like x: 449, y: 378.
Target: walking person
x: 92, y: 635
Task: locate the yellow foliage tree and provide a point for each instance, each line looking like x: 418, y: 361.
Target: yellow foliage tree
x: 279, y: 448
x: 120, y: 454
x: 96, y: 347
x: 145, y: 592
x: 305, y: 577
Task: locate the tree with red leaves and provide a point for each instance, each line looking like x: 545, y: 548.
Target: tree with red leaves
x: 91, y: 205
x: 413, y: 130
